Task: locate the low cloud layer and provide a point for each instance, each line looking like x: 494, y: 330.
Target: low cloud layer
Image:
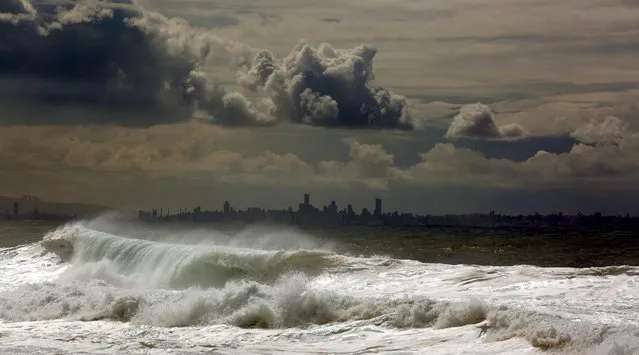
x: 368, y: 164
x: 477, y: 121
x: 326, y: 87
x: 211, y: 156
x: 161, y: 152
x: 111, y: 61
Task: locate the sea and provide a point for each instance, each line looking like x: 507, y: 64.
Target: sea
x: 114, y: 286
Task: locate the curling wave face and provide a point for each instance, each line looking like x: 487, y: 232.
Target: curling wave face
x: 177, y: 266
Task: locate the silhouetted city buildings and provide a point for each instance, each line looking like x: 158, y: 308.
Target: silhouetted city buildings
x: 331, y: 214
x: 378, y: 208
x: 35, y: 215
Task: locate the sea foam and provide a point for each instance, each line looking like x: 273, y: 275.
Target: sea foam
x: 146, y: 281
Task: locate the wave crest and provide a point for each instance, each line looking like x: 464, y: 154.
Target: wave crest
x: 167, y: 265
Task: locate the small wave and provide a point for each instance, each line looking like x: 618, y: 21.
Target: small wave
x: 475, y: 276
x: 554, y: 333
x: 167, y: 265
x: 609, y: 271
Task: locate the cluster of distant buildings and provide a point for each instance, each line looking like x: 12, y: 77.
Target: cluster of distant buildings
x: 332, y: 215
x: 34, y: 215
x: 307, y: 214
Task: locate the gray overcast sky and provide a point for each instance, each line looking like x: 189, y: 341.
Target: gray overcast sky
x: 439, y: 106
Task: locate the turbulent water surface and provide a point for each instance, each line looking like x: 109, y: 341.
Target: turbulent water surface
x: 103, y: 286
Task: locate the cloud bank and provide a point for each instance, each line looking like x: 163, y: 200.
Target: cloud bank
x: 327, y: 87
x: 213, y: 155
x: 477, y: 121
x: 111, y: 61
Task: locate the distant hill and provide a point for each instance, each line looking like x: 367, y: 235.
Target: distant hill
x: 28, y: 203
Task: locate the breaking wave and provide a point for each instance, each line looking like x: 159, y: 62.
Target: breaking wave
x: 289, y: 302
x: 110, y: 276
x: 292, y: 302
x: 97, y: 254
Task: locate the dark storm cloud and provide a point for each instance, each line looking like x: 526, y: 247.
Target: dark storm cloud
x: 13, y: 7
x: 327, y: 87
x: 110, y: 61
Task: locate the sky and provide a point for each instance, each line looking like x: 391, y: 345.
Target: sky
x: 439, y: 106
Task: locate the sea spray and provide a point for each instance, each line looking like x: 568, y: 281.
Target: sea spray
x: 99, y: 254
x: 255, y: 236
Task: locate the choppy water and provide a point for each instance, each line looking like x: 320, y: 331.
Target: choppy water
x: 96, y: 287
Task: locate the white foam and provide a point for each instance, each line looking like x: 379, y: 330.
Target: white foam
x: 292, y: 301
x: 117, y: 296
x: 28, y: 264
x: 351, y: 338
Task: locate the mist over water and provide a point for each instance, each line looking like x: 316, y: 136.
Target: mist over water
x: 275, y: 289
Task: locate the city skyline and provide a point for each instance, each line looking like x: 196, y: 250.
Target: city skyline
x: 307, y: 214
x: 83, y: 209
x: 375, y: 209
x: 142, y: 103
x: 15, y: 206
x: 331, y: 215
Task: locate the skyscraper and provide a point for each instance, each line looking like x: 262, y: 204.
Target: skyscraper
x: 378, y: 207
x: 307, y: 200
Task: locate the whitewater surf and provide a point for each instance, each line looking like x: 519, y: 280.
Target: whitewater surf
x: 85, y: 288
